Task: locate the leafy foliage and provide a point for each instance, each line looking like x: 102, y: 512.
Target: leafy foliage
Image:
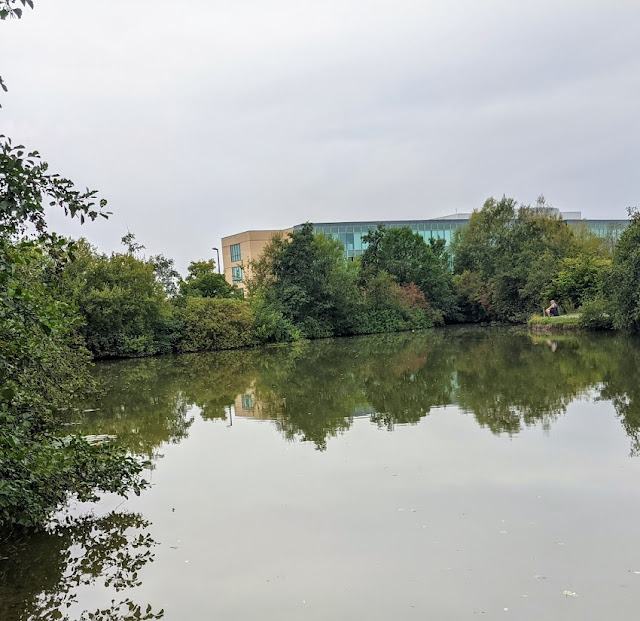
x: 208, y: 323
x: 410, y: 260
x: 43, y: 366
x: 125, y: 308
x: 166, y: 274
x: 203, y: 281
x: 13, y: 8
x: 306, y: 279
x: 624, y: 284
x: 579, y: 279
x: 26, y: 184
x: 509, y: 262
x: 596, y: 314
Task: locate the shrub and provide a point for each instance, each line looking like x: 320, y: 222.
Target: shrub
x: 623, y: 288
x: 210, y: 324
x: 270, y: 325
x: 596, y: 315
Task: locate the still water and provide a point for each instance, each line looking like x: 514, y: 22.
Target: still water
x: 456, y: 474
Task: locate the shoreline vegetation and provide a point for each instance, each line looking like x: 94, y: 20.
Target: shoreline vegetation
x: 502, y: 268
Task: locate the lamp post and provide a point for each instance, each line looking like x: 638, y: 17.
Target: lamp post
x: 218, y: 263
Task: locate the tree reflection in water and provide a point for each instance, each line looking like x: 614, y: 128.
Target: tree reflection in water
x: 505, y: 378
x: 40, y: 574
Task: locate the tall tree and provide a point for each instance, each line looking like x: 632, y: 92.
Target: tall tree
x: 624, y: 285
x: 203, y: 281
x: 42, y: 363
x: 306, y: 278
x: 409, y: 259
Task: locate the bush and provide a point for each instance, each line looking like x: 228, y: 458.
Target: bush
x: 211, y: 324
x: 270, y: 325
x: 596, y: 315
x: 623, y: 288
x: 43, y: 366
x: 125, y: 308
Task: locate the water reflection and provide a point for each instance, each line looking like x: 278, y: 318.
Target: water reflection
x: 312, y: 391
x: 40, y: 575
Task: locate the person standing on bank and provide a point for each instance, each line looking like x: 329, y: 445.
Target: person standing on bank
x: 553, y: 310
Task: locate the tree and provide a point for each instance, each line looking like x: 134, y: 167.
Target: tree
x: 409, y: 259
x: 203, y: 281
x: 306, y: 279
x: 43, y: 365
x: 166, y: 274
x: 506, y: 261
x: 624, y: 285
x: 42, y: 362
x: 124, y: 306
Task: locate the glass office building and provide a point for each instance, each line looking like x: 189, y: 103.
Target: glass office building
x: 350, y: 234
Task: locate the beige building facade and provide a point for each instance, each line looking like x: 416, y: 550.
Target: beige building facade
x: 240, y: 249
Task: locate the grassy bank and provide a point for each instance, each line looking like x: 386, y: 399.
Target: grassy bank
x: 548, y: 325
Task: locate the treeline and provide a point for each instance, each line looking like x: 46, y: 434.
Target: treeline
x: 504, y: 266
x: 128, y: 305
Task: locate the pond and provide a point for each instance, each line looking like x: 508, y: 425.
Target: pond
x: 448, y: 474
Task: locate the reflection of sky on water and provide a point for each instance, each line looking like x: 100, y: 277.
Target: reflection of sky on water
x: 266, y: 524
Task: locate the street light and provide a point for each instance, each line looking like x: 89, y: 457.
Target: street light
x: 218, y: 254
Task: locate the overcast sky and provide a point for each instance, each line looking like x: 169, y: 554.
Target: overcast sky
x: 210, y: 117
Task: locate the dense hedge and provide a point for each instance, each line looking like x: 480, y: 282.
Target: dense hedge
x: 210, y: 323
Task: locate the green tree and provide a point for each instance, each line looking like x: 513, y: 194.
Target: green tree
x: 166, y: 274
x: 579, y: 279
x: 42, y: 363
x: 124, y: 306
x: 306, y: 279
x: 508, y: 261
x: 624, y: 285
x: 409, y: 259
x: 203, y: 281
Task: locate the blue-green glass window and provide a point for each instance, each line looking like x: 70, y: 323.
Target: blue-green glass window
x: 236, y: 254
x: 349, y: 241
x: 236, y: 274
x: 247, y: 402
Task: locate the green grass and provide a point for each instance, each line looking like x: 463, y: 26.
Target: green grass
x: 564, y: 322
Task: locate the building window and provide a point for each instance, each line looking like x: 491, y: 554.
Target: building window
x: 236, y: 274
x: 247, y: 402
x: 236, y: 255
